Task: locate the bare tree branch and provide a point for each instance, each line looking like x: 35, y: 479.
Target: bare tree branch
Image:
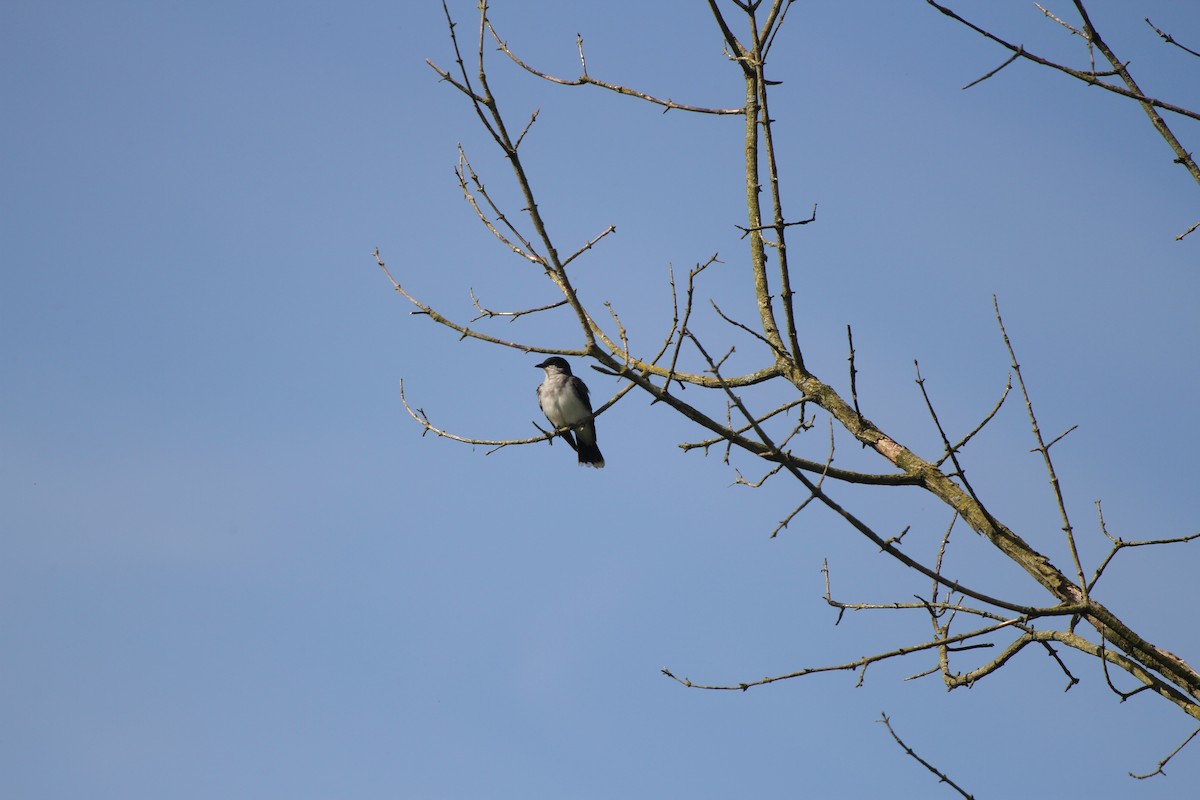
x: 1085, y: 76
x: 732, y: 412
x: 1119, y: 69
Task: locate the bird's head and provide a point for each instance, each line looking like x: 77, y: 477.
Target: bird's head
x: 555, y: 364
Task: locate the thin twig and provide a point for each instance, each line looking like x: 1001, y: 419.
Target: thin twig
x: 942, y: 777
x: 747, y: 231
x: 853, y: 372
x: 950, y: 450
x: 978, y: 81
x: 526, y: 249
x: 463, y: 331
x: 857, y: 664
x: 1166, y: 37
x: 744, y: 327
x: 1087, y: 77
x: 1062, y: 22
x: 988, y: 418
x: 591, y: 243
x: 1163, y: 763
x: 512, y: 315
x: 1119, y: 544
x: 532, y: 119
x: 1044, y: 449
x: 586, y: 79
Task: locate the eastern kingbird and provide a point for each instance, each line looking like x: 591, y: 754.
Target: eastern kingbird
x: 564, y: 400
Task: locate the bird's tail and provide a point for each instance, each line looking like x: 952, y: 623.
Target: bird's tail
x: 589, y: 455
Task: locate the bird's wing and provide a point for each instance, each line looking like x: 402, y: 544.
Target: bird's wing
x: 582, y: 389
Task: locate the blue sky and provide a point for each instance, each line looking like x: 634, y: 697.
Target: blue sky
x: 232, y: 567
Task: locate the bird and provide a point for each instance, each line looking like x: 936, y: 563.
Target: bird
x: 563, y: 398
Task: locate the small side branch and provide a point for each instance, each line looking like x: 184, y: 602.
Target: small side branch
x: 512, y: 315
x: 857, y: 665
x: 586, y: 79
x: 942, y: 777
x: 591, y: 243
x: 1163, y: 763
x: 525, y: 249
x: 775, y: 226
x: 1124, y: 84
x: 1088, y: 77
x: 853, y: 372
x: 745, y: 328
x: 1188, y: 231
x: 419, y: 415
x: 1075, y: 31
x: 463, y: 331
x: 1044, y: 449
x: 1166, y: 37
x: 1014, y: 57
x: 974, y: 431
x: 820, y: 480
x: 422, y: 419
x: 1119, y: 544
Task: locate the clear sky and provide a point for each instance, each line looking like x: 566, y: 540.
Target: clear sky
x: 231, y: 566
